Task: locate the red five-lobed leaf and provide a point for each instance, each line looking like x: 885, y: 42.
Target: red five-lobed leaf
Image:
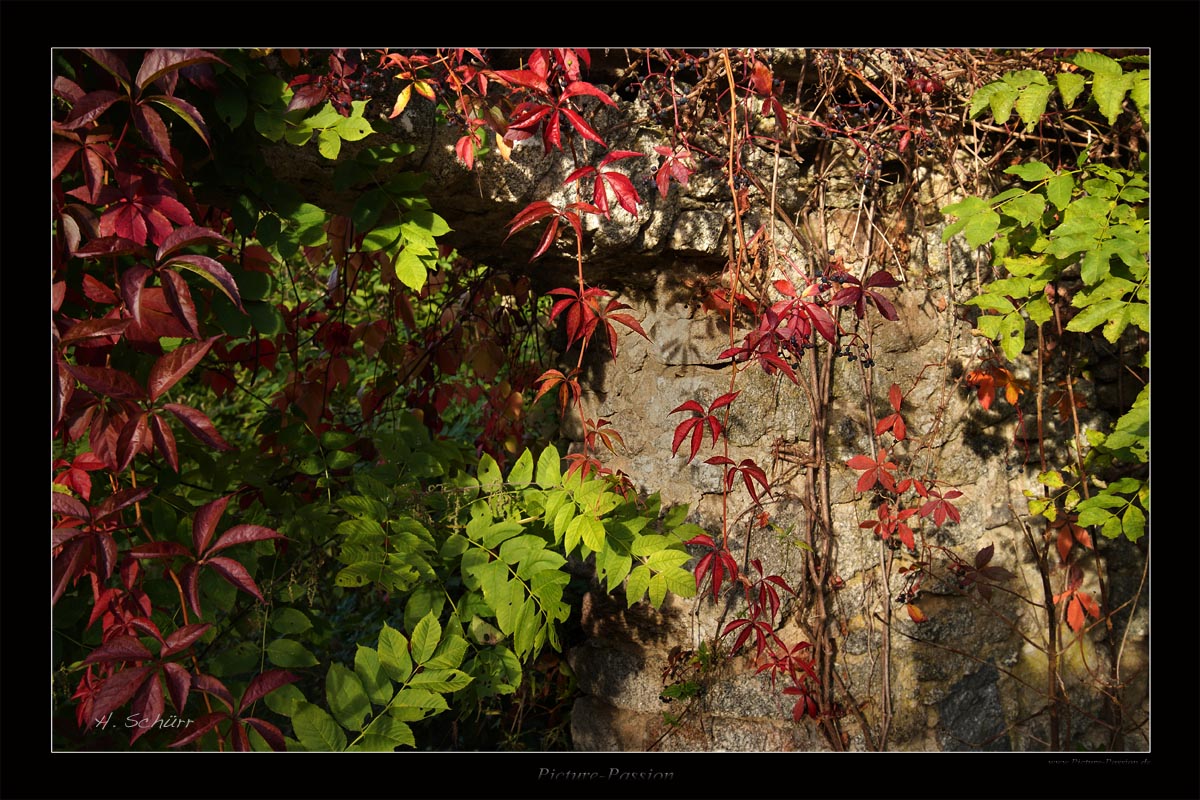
x: 875, y: 471
x: 695, y: 426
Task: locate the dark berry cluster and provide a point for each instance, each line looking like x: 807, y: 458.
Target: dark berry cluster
x: 851, y: 354
x: 372, y: 81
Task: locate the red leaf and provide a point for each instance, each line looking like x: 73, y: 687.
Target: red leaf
x: 187, y: 112
x: 89, y: 107
x: 158, y: 550
x: 159, y: 62
x: 117, y: 689
x: 179, y: 681
x: 133, y: 438
x: 211, y: 686
x: 106, y: 381
x: 272, y: 735
x: 308, y: 96
x: 150, y: 125
x: 164, y: 440
x: 200, y: 727
x: 119, y: 501
x: 264, y: 684
x: 199, y: 425
x: 204, y: 523
x: 523, y: 77
x: 179, y: 298
x: 617, y: 155
x: 627, y: 195
x: 170, y: 368
x: 185, y: 236
x: 122, y: 648
x: 547, y: 238
x: 235, y: 573
x: 189, y: 578
x: 895, y: 397
x: 1075, y: 616
x: 580, y: 125
x: 147, y: 705
x: 723, y: 401
x: 94, y: 328
x: 183, y: 638
x: 241, y: 534
x: 577, y: 88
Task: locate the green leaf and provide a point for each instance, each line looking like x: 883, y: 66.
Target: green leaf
x: 323, y: 118
x: 658, y: 590
x: 1059, y: 190
x: 367, y: 209
x: 1139, y: 93
x: 346, y: 697
x: 639, y: 581
x: 483, y: 632
x: 285, y: 700
x: 1039, y: 310
x: 411, y: 269
x: 1094, y: 315
x: 289, y: 620
x: 425, y: 638
x: 353, y: 129
x: 1133, y: 523
x: 526, y: 628
x: 317, y: 731
x: 385, y: 733
x: 612, y: 567
x: 989, y: 325
x: 364, y: 508
x: 1026, y: 209
x: 520, y: 548
x: 231, y: 105
x: 521, y: 473
x: 372, y: 675
x: 1070, y: 85
x: 1031, y: 171
x: 289, y: 654
x: 665, y: 559
x: 393, y: 654
x: 1032, y: 103
x: 419, y: 698
x: 1116, y: 326
x: 587, y: 528
x: 680, y: 582
x: 329, y: 144
x: 1108, y: 90
x: 1051, y: 478
x: 549, y: 474
x: 1012, y: 335
x: 441, y: 680
x: 429, y: 222
x: 364, y: 527
x: 449, y: 654
x: 501, y: 531
x: 489, y: 473
x: 980, y: 229
x: 1096, y: 62
x: 270, y: 125
x: 381, y: 237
